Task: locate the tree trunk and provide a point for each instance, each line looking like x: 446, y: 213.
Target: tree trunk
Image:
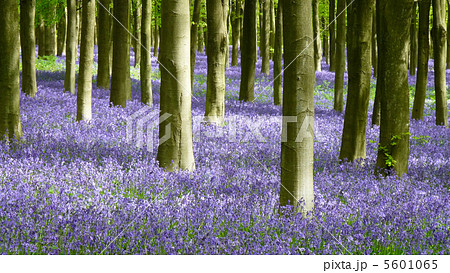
x: 448, y: 38
x: 156, y: 41
x: 104, y: 46
x: 194, y: 34
x: 374, y: 42
x: 27, y: 39
x: 376, y: 113
x: 9, y: 70
x: 340, y: 58
x: 175, y: 149
x: 413, y: 43
x: 61, y: 33
x: 120, y: 85
x: 440, y: 47
x: 84, y: 94
x: 50, y: 40
x: 298, y: 102
x: 137, y: 32
x: 201, y: 39
x: 332, y: 30
x: 236, y: 28
x: 394, y: 34
x: 248, y: 53
x: 71, y: 46
x: 265, y: 37
x: 226, y: 15
x: 217, y: 35
x: 41, y: 50
x: 272, y: 28
x: 422, y: 68
x: 146, y: 61
x: 326, y: 50
x: 316, y: 30
x: 353, y: 144
x: 277, y: 56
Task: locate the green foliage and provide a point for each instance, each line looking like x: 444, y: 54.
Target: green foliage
x: 49, y: 11
x: 390, y: 161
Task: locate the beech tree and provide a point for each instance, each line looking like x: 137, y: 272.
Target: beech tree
x: 316, y: 31
x: 27, y: 40
x: 9, y: 70
x: 340, y: 58
x: 194, y: 34
x: 264, y: 45
x: 71, y: 47
x: 394, y: 34
x: 104, y: 45
x: 298, y: 101
x: 277, y: 56
x: 236, y: 31
x: 146, y: 61
x: 332, y: 31
x: 248, y: 53
x: 353, y: 144
x: 137, y: 11
x: 175, y: 149
x: 84, y: 94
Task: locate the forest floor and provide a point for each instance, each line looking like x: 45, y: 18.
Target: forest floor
x: 83, y: 188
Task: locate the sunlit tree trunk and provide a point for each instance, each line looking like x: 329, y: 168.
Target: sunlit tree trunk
x: 353, y: 144
x: 194, y: 36
x: 316, y: 30
x: 137, y: 32
x: 27, y: 39
x: 146, y: 61
x: 422, y: 68
x: 9, y: 70
x: 71, y: 46
x: 175, y: 149
x: 394, y: 34
x: 248, y: 53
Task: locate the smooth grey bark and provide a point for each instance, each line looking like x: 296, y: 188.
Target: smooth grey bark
x: 264, y: 44
x: 120, y: 84
x: 248, y: 53
x: 236, y: 32
x: 423, y: 54
x: 316, y: 31
x: 104, y: 45
x: 277, y: 56
x: 146, y: 61
x: 440, y: 48
x: 394, y: 34
x: 9, y: 70
x: 61, y: 32
x: 27, y: 40
x: 332, y: 31
x: 71, y: 47
x: 298, y: 102
x: 194, y: 37
x: 353, y: 144
x: 217, y: 43
x: 340, y: 58
x: 175, y: 149
x: 136, y: 40
x: 84, y: 94
x: 413, y: 43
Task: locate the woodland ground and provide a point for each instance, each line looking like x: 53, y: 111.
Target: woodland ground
x: 81, y: 188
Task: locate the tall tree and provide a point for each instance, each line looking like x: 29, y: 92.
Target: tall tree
x: 340, y: 58
x: 236, y: 27
x: 422, y: 68
x: 120, y: 84
x: 9, y: 70
x: 332, y: 31
x: 84, y: 94
x: 104, y: 46
x: 394, y: 34
x: 376, y: 113
x: 71, y: 47
x: 217, y: 41
x: 413, y: 43
x: 374, y: 42
x: 353, y: 144
x: 326, y: 50
x: 61, y: 29
x: 316, y: 30
x: 298, y: 101
x: 272, y: 28
x: 440, y: 47
x: 448, y: 37
x: 248, y: 53
x: 27, y: 40
x: 277, y: 56
x: 175, y: 149
x: 264, y: 44
x: 137, y: 31
x: 146, y: 61
x: 194, y: 34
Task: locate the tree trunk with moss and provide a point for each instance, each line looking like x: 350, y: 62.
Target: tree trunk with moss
x: 423, y: 54
x: 394, y: 34
x: 298, y: 103
x: 175, y: 149
x: 248, y: 53
x: 71, y: 47
x: 353, y: 144
x: 27, y: 40
x: 9, y: 70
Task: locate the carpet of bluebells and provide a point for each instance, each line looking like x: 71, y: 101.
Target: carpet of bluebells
x: 81, y: 188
